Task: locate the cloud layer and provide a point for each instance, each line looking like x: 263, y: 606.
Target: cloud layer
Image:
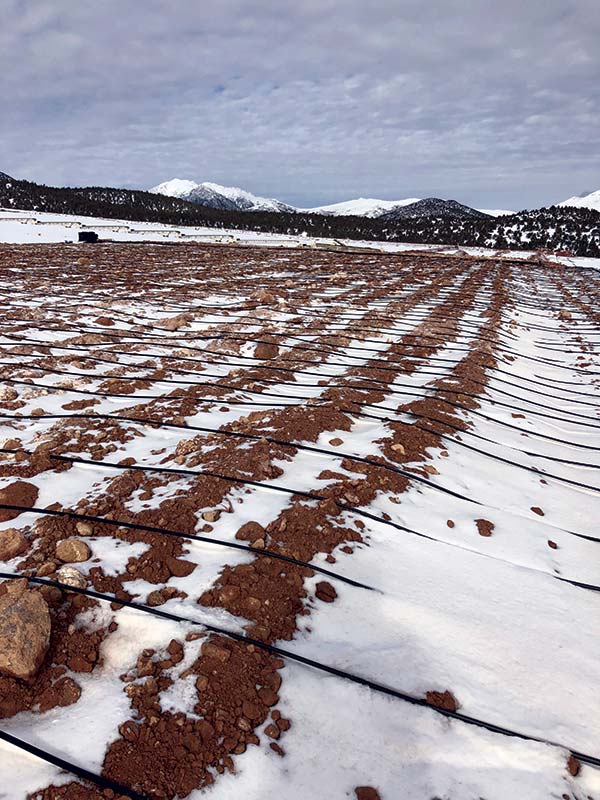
x: 494, y: 104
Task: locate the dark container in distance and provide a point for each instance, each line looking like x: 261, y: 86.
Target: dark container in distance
x: 88, y: 236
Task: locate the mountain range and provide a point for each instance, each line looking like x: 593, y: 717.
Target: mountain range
x: 231, y: 198
x: 571, y: 227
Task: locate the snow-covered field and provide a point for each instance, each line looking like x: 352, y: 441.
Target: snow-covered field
x: 35, y: 227
x: 385, y: 465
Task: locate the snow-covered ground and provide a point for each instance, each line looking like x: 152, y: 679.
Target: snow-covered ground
x: 498, y: 620
x: 34, y: 227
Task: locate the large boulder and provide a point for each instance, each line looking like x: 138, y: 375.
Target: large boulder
x: 12, y: 543
x: 24, y: 629
x: 17, y: 493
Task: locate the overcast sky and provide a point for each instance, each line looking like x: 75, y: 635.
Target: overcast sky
x: 495, y: 103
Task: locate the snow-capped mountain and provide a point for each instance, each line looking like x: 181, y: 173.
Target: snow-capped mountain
x: 591, y: 200
x: 361, y: 207
x: 232, y: 198
x: 496, y: 212
x: 5, y: 177
x: 225, y: 198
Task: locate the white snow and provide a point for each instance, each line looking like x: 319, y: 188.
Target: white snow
x: 361, y: 207
x: 591, y: 200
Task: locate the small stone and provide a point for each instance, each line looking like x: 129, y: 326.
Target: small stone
x: 268, y: 696
x: 211, y: 516
x: 537, y: 510
x: 484, y: 527
x: 179, y: 568
x: 552, y: 544
x: 210, y: 650
x: 71, y: 577
x: 399, y: 448
x: 450, y: 523
x: 84, y: 528
x: 24, y: 630
x: 47, y: 568
x: 259, y: 544
x: 155, y: 598
x: 72, y: 551
x: 272, y: 731
x: 266, y: 350
x: 430, y: 470
x: 573, y: 765
x: 250, y: 532
x: 336, y: 442
x: 68, y: 691
x: 12, y: 543
x: 445, y: 700
x: 325, y: 592
x: 366, y: 793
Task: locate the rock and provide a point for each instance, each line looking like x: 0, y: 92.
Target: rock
x: 430, y: 470
x: 68, y: 691
x: 537, y: 510
x: 84, y: 528
x: 325, y: 592
x: 336, y: 442
x: 366, y: 793
x: 18, y: 493
x: 484, y: 527
x: 210, y: 650
x: 24, y: 630
x: 174, y: 323
x: 573, y: 765
x: 179, y: 568
x: 12, y: 543
x: 212, y: 515
x: 258, y: 544
x: 250, y: 532
x: 266, y: 350
x: 104, y: 321
x: 445, y: 700
x: 399, y: 448
x: 72, y: 551
x: 7, y: 393
x: 71, y: 577
x: 552, y: 544
x: 272, y: 731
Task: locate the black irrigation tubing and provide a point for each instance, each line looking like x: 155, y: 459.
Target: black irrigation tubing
x: 348, y: 456
x: 309, y: 662
x: 164, y: 344
x: 251, y: 320
x: 269, y: 486
x: 292, y: 492
x: 390, y: 389
x: 322, y: 375
x: 69, y: 766
x: 264, y: 366
x: 191, y: 536
x: 136, y: 339
x: 419, y: 396
x: 353, y: 412
x: 363, y: 460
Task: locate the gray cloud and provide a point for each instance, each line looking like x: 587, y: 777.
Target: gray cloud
x: 491, y: 103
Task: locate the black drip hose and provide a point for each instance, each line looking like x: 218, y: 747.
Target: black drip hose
x: 309, y: 662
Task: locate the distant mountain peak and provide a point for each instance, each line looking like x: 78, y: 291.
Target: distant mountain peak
x: 214, y: 195
x: 433, y: 207
x: 5, y: 177
x: 591, y: 200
